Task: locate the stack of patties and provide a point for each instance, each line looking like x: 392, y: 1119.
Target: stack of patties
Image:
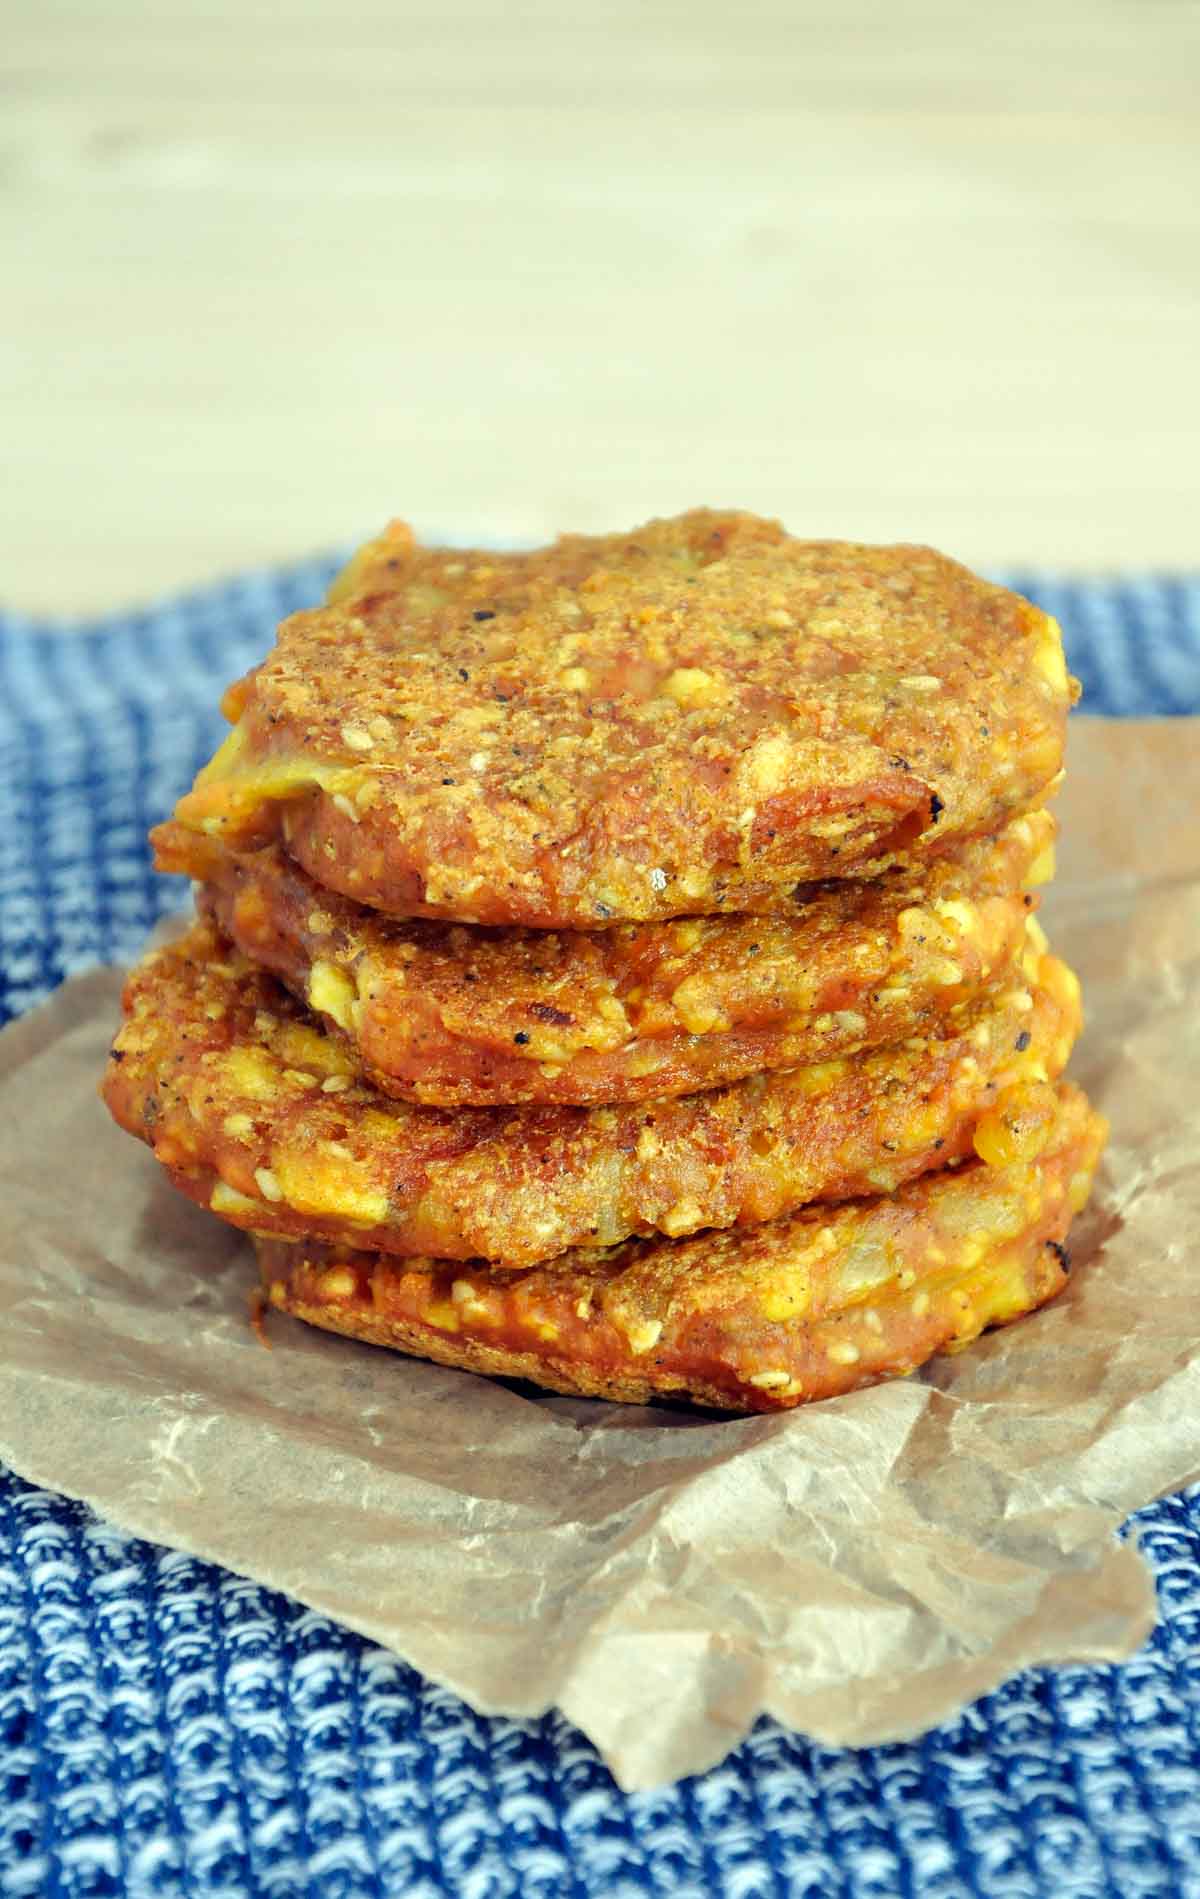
x: 617, y: 967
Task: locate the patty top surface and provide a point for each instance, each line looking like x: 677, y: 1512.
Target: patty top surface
x: 680, y: 720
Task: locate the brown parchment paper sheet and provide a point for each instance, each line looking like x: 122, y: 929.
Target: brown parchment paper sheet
x: 858, y: 1569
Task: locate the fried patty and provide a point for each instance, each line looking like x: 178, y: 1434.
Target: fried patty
x: 448, y: 1015
x: 687, y: 719
x: 760, y: 1319
x: 257, y: 1113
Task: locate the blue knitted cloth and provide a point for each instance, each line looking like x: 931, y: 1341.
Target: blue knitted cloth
x: 168, y: 1728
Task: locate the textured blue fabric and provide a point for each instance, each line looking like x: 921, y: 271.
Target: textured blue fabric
x: 167, y: 1728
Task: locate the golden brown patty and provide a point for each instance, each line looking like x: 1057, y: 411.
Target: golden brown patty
x: 257, y: 1113
x: 450, y: 1016
x: 689, y: 718
x: 757, y: 1320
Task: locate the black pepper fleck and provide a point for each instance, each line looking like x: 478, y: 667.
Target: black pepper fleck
x: 483, y: 613
x: 463, y: 673
x: 936, y: 807
x: 1022, y: 1042
x: 521, y: 1037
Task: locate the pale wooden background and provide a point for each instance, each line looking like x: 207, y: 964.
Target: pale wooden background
x: 275, y: 269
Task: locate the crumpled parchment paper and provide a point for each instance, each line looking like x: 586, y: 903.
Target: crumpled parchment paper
x: 858, y: 1569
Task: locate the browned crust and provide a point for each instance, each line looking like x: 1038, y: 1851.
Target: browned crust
x: 254, y: 1111
x: 809, y: 1307
x: 687, y: 719
x: 451, y: 1016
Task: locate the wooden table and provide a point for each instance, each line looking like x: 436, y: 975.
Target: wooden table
x: 276, y: 269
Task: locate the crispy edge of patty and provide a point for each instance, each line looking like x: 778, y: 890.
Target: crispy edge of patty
x: 257, y: 1114
x: 761, y: 1320
x: 448, y: 1016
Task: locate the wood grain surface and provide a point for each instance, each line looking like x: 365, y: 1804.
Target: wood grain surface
x: 276, y: 269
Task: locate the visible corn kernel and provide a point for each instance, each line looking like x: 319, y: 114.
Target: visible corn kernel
x: 643, y: 1334
x: 843, y: 1352
x: 227, y: 1199
x: 1041, y: 871
x: 692, y: 687
x: 442, y: 1315
x: 338, y: 1283
x: 787, y: 1300
x: 465, y: 1297
x: 330, y: 1182
x: 1017, y: 1128
x: 765, y: 766
x: 697, y: 1008
x: 1048, y: 657
x: 684, y: 1217
x: 954, y: 910
x: 331, y: 992
x: 301, y: 1046
x: 945, y: 973
x: 252, y: 1072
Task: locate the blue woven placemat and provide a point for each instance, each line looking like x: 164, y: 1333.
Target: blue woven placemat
x: 168, y: 1728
